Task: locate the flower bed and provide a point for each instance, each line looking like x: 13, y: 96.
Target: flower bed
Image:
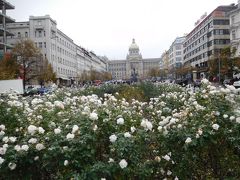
x: 178, y: 134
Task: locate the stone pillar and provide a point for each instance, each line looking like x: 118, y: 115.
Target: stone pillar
x: 194, y: 75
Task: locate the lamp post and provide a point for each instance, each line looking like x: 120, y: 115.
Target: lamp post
x: 219, y: 68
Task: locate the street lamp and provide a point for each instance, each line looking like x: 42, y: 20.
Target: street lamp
x: 219, y: 67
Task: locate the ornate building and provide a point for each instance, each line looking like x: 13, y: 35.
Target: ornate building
x: 134, y: 66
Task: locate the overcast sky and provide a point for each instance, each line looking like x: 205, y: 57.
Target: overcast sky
x: 108, y: 26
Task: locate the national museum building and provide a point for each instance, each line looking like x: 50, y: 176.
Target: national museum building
x: 133, y: 66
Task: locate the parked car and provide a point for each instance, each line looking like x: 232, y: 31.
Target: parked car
x: 236, y: 84
x: 43, y: 90
x: 228, y: 82
x: 30, y: 91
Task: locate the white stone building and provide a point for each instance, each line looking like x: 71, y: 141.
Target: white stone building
x: 67, y: 58
x: 134, y: 65
x: 175, y: 56
x: 234, y: 17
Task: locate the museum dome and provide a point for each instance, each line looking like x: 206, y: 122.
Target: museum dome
x: 133, y: 46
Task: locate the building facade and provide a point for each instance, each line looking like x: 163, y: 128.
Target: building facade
x: 205, y: 41
x: 175, y: 56
x: 67, y: 58
x: 164, y: 64
x: 234, y: 17
x: 133, y: 66
x: 4, y: 20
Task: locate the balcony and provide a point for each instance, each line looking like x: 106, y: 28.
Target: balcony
x: 7, y: 5
x: 7, y: 32
x: 7, y: 19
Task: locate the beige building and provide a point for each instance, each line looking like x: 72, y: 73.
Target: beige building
x: 164, y: 64
x: 133, y: 66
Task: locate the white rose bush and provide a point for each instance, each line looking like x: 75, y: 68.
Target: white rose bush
x: 146, y: 131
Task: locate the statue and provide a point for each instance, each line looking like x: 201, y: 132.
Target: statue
x: 134, y: 76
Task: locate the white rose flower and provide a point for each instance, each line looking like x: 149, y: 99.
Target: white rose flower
x: 41, y: 130
x: 188, y: 140
x: 1, y: 160
x: 169, y: 172
x: 110, y: 160
x: 25, y: 147
x: 57, y: 131
x: 95, y: 127
x: 160, y: 128
x: 5, y: 146
x: 157, y: 158
x: 17, y: 148
x: 200, y: 131
x: 2, y: 133
x: 12, y: 139
x: 2, y: 127
x: 127, y: 135
x: 3, y: 150
x: 215, y: 126
x: 146, y: 124
x: 225, y: 116
x: 75, y: 129
x: 40, y: 147
x: 232, y: 118
x: 70, y: 136
x: 113, y: 138
x: 217, y: 113
x: 5, y: 139
x: 149, y: 125
x: 36, y: 158
x: 32, y: 129
x: 133, y: 129
x: 123, y: 163
x: 66, y: 162
x: 32, y: 141
x: 166, y: 157
x: 120, y: 121
x: 93, y: 116
x: 238, y: 120
x: 12, y: 166
x: 59, y: 104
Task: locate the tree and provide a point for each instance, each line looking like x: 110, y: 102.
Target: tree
x: 154, y: 72
x: 224, y: 63
x: 106, y: 76
x: 9, y: 68
x: 28, y: 56
x: 46, y: 73
x: 94, y: 75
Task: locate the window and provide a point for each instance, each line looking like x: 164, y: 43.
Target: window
x: 178, y: 47
x: 39, y: 33
x: 178, y: 53
x: 44, y: 33
x: 233, y: 34
x: 40, y: 44
x: 45, y: 45
x: 19, y: 34
x: 26, y: 34
x: 232, y: 19
x: 220, y: 22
